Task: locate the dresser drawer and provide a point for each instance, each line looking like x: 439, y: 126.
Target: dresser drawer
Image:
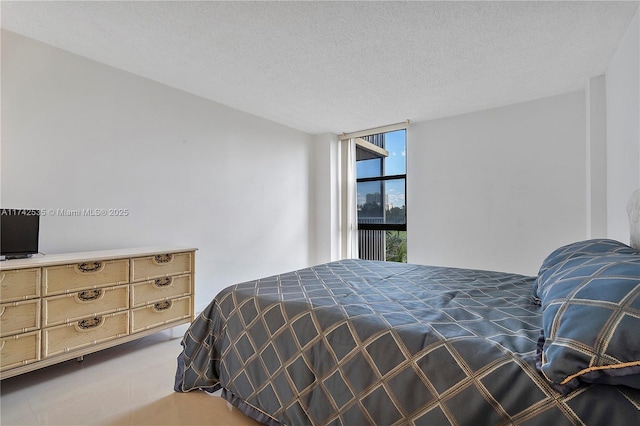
x: 19, y: 317
x: 86, y: 332
x: 160, y: 289
x: 85, y: 303
x: 19, y: 350
x: 160, y: 313
x: 161, y: 265
x: 19, y: 284
x: 84, y: 275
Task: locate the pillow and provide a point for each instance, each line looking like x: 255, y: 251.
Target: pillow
x: 591, y: 321
x: 581, y: 248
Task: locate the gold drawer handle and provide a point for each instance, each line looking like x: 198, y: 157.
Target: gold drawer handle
x: 163, y: 258
x: 90, y: 266
x: 162, y: 306
x: 89, y: 295
x: 163, y: 282
x: 2, y: 311
x: 2, y: 345
x: 89, y: 323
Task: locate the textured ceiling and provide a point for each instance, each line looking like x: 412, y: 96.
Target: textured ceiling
x: 341, y: 66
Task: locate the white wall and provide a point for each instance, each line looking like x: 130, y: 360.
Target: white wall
x: 623, y: 130
x: 498, y: 189
x: 78, y: 134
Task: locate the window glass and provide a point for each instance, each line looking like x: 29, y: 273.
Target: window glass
x: 395, y: 202
x: 381, y: 201
x: 370, y: 202
x: 395, y: 163
x: 368, y: 168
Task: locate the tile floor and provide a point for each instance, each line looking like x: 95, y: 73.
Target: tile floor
x: 131, y: 384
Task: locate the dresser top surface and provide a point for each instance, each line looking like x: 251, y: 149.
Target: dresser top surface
x: 38, y: 261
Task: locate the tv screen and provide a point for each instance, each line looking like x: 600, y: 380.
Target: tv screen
x: 19, y: 230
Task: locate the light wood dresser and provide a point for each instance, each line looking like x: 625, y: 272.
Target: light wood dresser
x: 57, y: 307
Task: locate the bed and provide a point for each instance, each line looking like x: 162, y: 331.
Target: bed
x: 357, y: 342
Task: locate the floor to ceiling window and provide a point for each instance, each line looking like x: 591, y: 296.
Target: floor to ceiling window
x: 381, y: 174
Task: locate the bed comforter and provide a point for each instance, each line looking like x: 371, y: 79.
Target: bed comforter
x: 359, y: 342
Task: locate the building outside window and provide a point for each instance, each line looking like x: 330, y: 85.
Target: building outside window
x: 381, y: 176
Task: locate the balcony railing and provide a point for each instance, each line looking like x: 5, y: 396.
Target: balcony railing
x: 378, y: 244
x: 371, y: 244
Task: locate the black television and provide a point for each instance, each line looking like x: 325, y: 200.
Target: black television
x: 19, y: 229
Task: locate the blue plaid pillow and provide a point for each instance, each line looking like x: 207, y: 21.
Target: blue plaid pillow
x: 589, y: 247
x: 591, y: 321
